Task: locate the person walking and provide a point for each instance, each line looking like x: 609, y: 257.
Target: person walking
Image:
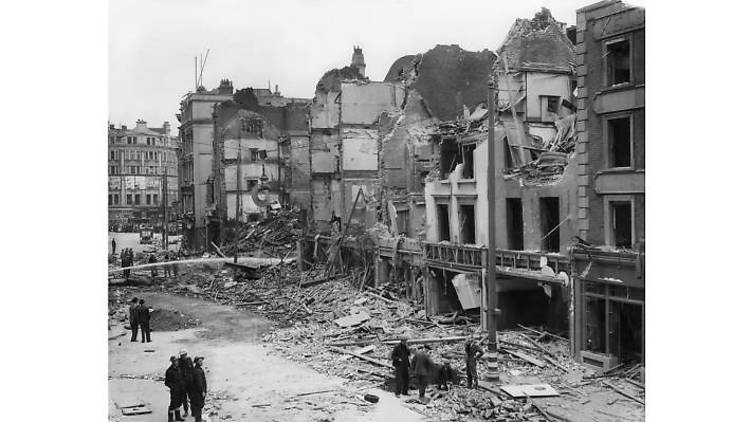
x: 422, y: 366
x: 400, y: 360
x: 133, y: 318
x: 144, y: 321
x: 114, y: 246
x: 473, y: 352
x: 186, y: 373
x: 173, y: 380
x: 198, y: 389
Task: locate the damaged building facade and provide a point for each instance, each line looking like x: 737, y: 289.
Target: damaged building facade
x: 248, y: 168
x: 535, y: 185
x: 609, y: 262
x: 344, y: 139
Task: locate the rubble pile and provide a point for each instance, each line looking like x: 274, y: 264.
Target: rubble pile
x: 276, y: 236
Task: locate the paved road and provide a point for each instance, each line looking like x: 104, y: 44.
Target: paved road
x: 239, y: 370
x: 132, y: 240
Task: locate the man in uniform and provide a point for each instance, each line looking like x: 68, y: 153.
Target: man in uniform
x: 133, y: 318
x: 400, y: 359
x: 144, y: 321
x: 173, y: 380
x: 473, y: 352
x: 197, y: 389
x: 422, y: 365
x: 186, y: 373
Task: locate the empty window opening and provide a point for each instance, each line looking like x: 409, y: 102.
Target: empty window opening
x: 402, y: 221
x: 618, y: 131
x: 148, y: 199
x: 251, y: 184
x: 468, y: 227
x: 468, y: 159
x: 138, y: 199
x: 621, y: 224
x: 550, y: 223
x: 550, y: 107
x: 110, y: 199
x: 443, y: 226
x: 618, y: 62
x: 129, y: 199
x: 155, y: 198
x: 508, y: 154
x: 450, y: 157
x: 514, y: 220
x: 117, y: 199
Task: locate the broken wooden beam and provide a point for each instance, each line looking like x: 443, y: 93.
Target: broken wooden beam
x: 360, y: 356
x: 545, y: 333
x: 624, y: 393
x: 381, y: 297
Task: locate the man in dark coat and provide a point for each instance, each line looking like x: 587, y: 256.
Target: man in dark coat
x: 167, y: 268
x: 173, y: 380
x: 473, y: 352
x: 186, y: 373
x: 152, y: 260
x: 400, y: 359
x: 124, y: 263
x: 422, y: 366
x: 144, y: 321
x: 114, y: 246
x: 197, y: 391
x: 133, y: 319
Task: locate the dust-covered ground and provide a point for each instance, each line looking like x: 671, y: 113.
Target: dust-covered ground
x: 245, y: 382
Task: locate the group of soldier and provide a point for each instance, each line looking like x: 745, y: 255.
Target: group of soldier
x: 424, y: 368
x: 140, y: 317
x: 187, y: 385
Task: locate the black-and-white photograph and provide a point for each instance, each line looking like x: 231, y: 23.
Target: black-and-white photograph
x: 399, y: 211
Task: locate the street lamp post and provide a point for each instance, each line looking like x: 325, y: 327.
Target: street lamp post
x: 492, y: 372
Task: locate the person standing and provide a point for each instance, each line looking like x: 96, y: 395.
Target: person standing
x: 114, y: 246
x: 124, y: 263
x: 174, y: 382
x: 400, y: 360
x: 473, y: 352
x: 186, y: 373
x: 152, y: 260
x: 144, y: 321
x: 198, y: 389
x: 422, y: 366
x: 133, y: 318
x: 167, y: 267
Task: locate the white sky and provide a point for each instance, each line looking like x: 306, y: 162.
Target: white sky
x: 289, y: 42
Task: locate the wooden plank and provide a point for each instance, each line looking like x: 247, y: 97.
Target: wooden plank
x: 624, y: 393
x: 526, y: 357
x: 530, y: 390
x: 360, y: 356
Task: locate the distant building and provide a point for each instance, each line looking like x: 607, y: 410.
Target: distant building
x: 138, y: 158
x: 609, y: 270
x: 196, y: 158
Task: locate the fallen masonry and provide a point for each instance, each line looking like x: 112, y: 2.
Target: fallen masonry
x: 306, y: 331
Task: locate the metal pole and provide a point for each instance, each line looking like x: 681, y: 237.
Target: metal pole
x: 237, y: 205
x: 492, y: 373
x: 166, y: 212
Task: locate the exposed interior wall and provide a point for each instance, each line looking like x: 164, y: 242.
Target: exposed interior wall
x: 531, y: 306
x: 362, y: 103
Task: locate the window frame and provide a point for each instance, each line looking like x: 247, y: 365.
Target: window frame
x: 609, y: 234
x: 608, y: 161
x: 614, y: 40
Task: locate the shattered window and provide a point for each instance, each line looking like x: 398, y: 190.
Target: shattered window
x: 468, y: 159
x: 450, y: 156
x: 129, y: 198
x: 550, y: 107
x: 621, y: 224
x: 618, y: 131
x: 618, y: 62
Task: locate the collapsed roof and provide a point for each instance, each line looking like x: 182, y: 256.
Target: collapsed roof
x: 540, y: 43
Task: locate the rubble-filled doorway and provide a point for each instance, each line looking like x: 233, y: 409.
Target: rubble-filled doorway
x: 626, y: 331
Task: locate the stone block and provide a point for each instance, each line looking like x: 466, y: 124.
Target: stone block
x: 583, y: 180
